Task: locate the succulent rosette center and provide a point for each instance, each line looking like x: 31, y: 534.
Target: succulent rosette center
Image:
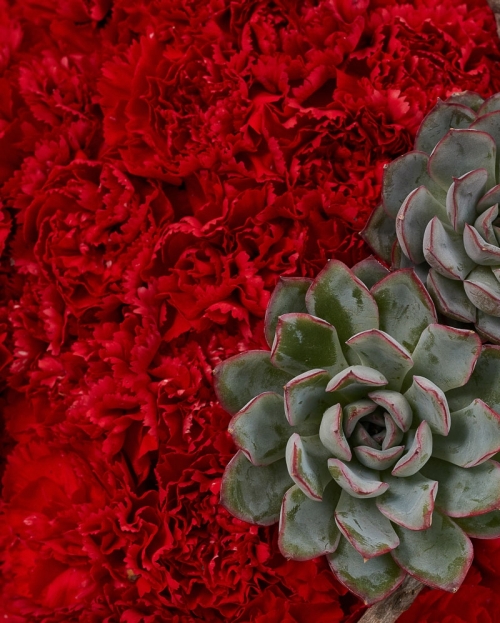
x: 367, y: 431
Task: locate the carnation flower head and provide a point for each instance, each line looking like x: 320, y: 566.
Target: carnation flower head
x: 367, y: 431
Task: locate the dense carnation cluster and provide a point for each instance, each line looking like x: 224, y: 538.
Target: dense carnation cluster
x: 161, y: 164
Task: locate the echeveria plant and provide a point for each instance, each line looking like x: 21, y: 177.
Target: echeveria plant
x: 367, y: 431
x: 441, y: 203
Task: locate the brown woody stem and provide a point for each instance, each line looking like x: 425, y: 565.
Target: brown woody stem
x: 388, y: 610
x: 495, y: 7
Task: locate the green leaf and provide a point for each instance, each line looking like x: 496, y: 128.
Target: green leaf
x: 401, y: 177
x: 307, y: 527
x: 490, y: 105
x: 340, y: 298
x: 306, y: 458
x: 355, y: 382
x: 289, y: 296
x: 360, y: 521
x: 380, y: 233
x: 418, y: 209
x: 357, y: 480
x: 439, y: 121
x: 461, y: 151
x: 303, y: 342
x: 446, y: 355
x: 379, y: 350
x: 261, y: 430
x: 483, y: 290
x: 489, y: 123
x: 484, y: 224
x: 370, y: 271
x: 463, y: 196
x: 450, y: 298
x: 405, y: 307
x: 428, y: 402
x: 439, y: 556
x: 332, y: 434
x: 306, y: 397
x: 378, y: 459
x: 465, y: 492
x: 444, y: 250
x: 485, y: 526
x: 484, y: 382
x: 244, y: 376
x: 489, y: 199
x: 393, y: 434
x: 409, y: 502
x: 474, y: 436
x: 371, y: 580
x: 254, y: 494
x: 419, y: 446
x: 396, y: 405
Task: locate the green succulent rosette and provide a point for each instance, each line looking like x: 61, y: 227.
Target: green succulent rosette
x: 440, y: 213
x: 367, y: 431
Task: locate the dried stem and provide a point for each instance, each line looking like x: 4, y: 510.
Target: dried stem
x: 388, y: 611
x: 495, y: 7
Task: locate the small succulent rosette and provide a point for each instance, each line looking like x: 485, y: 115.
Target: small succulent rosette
x: 367, y: 431
x: 440, y: 208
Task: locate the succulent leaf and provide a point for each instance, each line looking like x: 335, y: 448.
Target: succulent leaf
x: 354, y: 382
x: 358, y: 481
x: 367, y: 530
x: 378, y: 459
x: 463, y: 196
x: 459, y: 152
x: 484, y: 382
x: 438, y: 343
x: 488, y: 327
x: 483, y: 289
x: 474, y: 436
x: 380, y: 234
x: 439, y: 121
x: 331, y: 433
x: 379, y: 350
x: 471, y: 99
x: 401, y: 176
x: 303, y: 342
x: 289, y: 296
x: 253, y: 493
x: 405, y: 307
x: 396, y: 405
x: 450, y: 298
x: 371, y: 580
x: 305, y: 396
x: 465, y: 492
x: 439, y: 556
x: 490, y: 105
x: 419, y: 451
x: 444, y: 250
x: 393, y: 434
x: 478, y: 249
x: 306, y: 459
x: 487, y: 200
x: 428, y: 402
x: 417, y: 210
x: 354, y: 411
x: 340, y: 298
x: 242, y: 377
x: 370, y: 271
x: 307, y: 527
x: 484, y: 224
x: 260, y: 429
x: 485, y: 526
x: 489, y: 123
x: 409, y: 502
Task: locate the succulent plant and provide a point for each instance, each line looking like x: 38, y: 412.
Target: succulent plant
x: 367, y: 430
x: 440, y: 202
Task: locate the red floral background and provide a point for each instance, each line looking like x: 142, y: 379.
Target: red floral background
x: 161, y: 164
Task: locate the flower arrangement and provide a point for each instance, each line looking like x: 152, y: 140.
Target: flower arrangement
x: 162, y: 165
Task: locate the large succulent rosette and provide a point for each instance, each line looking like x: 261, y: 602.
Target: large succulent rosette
x: 440, y: 202
x: 367, y: 431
